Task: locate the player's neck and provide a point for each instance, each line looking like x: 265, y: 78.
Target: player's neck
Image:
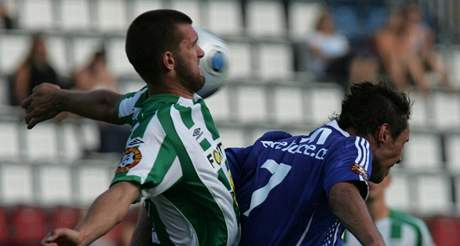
x: 170, y: 88
x: 378, y: 209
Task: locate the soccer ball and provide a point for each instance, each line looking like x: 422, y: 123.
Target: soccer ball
x: 214, y: 64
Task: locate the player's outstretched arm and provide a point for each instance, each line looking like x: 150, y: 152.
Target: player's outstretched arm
x: 106, y: 211
x: 48, y: 100
x: 347, y: 204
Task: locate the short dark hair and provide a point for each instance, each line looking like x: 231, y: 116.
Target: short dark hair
x: 149, y: 36
x: 367, y: 106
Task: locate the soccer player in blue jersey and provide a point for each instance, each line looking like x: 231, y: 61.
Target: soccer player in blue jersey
x: 304, y: 190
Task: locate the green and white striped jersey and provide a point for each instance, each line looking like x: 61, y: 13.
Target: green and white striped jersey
x: 175, y: 155
x: 398, y: 229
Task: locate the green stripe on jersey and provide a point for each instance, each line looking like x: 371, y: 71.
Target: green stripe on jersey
x: 208, y: 120
x: 162, y: 164
x: 409, y: 220
x: 205, y: 144
x: 139, y: 130
x: 193, y: 199
x: 186, y: 115
x: 395, y: 230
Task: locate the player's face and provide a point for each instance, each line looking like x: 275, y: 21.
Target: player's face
x: 388, y: 153
x: 188, y: 59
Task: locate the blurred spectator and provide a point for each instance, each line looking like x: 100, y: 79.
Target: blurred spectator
x: 6, y: 21
x: 34, y: 70
x: 329, y: 50
x: 96, y: 75
x: 396, y: 227
x: 358, y: 19
x: 405, y: 47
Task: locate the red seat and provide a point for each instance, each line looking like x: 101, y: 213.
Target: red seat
x: 29, y: 225
x: 445, y: 230
x: 4, y: 231
x: 66, y: 217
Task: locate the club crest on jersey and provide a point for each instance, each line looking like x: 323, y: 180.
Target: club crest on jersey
x: 356, y: 168
x: 134, y: 142
x: 131, y: 157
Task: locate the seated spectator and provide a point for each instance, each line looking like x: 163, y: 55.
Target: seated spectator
x: 329, y: 50
x: 96, y: 75
x: 34, y: 70
x: 6, y: 21
x: 405, y: 48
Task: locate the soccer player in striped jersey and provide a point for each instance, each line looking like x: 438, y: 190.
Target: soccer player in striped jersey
x: 397, y: 228
x: 173, y: 157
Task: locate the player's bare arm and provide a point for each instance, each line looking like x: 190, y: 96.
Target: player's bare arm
x: 347, y: 204
x: 48, y: 100
x: 107, y: 210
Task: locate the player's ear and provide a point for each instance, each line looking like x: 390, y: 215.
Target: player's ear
x: 383, y: 133
x: 168, y: 61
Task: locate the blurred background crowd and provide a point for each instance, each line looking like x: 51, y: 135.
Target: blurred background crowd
x: 290, y: 62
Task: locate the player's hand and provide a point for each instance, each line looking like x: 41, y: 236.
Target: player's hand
x: 42, y: 104
x: 63, y: 237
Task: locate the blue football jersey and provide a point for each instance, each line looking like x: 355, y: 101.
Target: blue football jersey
x: 282, y: 184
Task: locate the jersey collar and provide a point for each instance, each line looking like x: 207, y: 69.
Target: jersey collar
x: 336, y: 126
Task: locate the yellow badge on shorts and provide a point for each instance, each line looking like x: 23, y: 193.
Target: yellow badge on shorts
x: 131, y: 157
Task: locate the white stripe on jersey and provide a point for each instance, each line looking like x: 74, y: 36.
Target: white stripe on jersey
x: 336, y: 234
x: 360, y: 154
x: 205, y: 171
x: 306, y: 229
x: 153, y: 137
x: 366, y: 146
x: 184, y: 234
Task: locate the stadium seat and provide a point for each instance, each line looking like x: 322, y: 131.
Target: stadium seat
x: 16, y: 184
x: 265, y: 18
x: 51, y: 177
x: 28, y: 225
x: 446, y: 107
x: 398, y: 194
x: 232, y: 137
x: 64, y: 217
x: 57, y: 54
x: 92, y: 180
x: 111, y: 15
x: 444, y: 230
x: 219, y: 104
x: 9, y: 149
x: 4, y: 227
x: 82, y: 48
x: 288, y: 105
x: 240, y: 60
x: 434, y: 194
x: 42, y: 142
x: 323, y: 103
x: 117, y: 59
x: 252, y: 103
x: 37, y: 15
x: 224, y: 17
x: 423, y: 151
x: 71, y: 142
x: 420, y: 110
x: 13, y: 49
x: 302, y: 18
x: 75, y: 15
x: 275, y: 61
x: 141, y: 6
x: 191, y: 8
x: 452, y: 152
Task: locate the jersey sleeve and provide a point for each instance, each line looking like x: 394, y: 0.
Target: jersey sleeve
x: 127, y: 106
x: 150, y: 159
x: 351, y: 162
